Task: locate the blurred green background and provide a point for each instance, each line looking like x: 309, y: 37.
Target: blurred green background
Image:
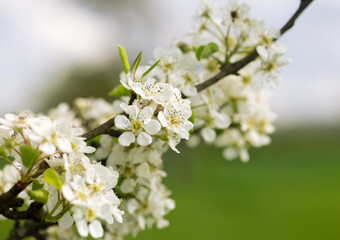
x: 288, y: 190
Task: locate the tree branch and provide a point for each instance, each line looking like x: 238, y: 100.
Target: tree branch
x: 33, y: 212
x: 12, y: 193
x: 105, y: 128
x: 30, y: 228
x: 6, y: 198
x: 235, y: 67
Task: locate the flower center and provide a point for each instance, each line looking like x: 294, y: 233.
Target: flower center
x: 174, y: 120
x: 136, y: 125
x: 89, y: 214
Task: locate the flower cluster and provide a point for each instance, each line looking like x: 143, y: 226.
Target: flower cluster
x: 158, y: 111
x: 71, y: 188
x: 146, y: 199
x: 233, y: 113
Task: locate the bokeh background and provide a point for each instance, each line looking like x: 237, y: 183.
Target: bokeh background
x: 53, y: 51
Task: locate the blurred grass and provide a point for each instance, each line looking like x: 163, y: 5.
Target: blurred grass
x: 288, y: 190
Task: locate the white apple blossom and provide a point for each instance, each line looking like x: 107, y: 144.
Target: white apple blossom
x: 235, y: 144
x: 150, y: 90
x: 174, y: 118
x: 272, y: 59
x: 170, y: 60
x: 234, y: 13
x: 215, y: 120
x: 141, y: 125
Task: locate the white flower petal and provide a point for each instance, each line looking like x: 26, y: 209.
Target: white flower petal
x: 146, y: 113
x: 82, y: 228
x: 133, y: 111
x: 162, y: 119
x: 124, y: 106
x: 244, y: 155
x: 173, y: 141
x: 153, y: 127
x: 262, y: 51
x: 125, y: 85
x: 230, y: 153
x: 118, y: 214
x: 208, y: 134
x: 275, y: 80
x: 222, y: 121
x: 67, y: 192
x: 144, y: 139
x: 190, y: 90
x: 143, y: 170
x: 96, y: 229
x: 128, y: 185
x: 47, y: 148
x: 65, y: 221
x: 64, y: 145
x: 122, y: 122
x: 126, y: 139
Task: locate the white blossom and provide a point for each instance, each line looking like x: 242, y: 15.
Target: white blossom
x: 141, y: 125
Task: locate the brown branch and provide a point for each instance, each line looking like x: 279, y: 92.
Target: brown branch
x: 105, y: 128
x: 12, y: 193
x: 6, y: 198
x: 133, y: 97
x: 235, y: 67
x: 30, y: 228
x: 33, y: 212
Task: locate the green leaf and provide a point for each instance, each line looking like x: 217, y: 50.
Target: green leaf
x: 52, y: 178
x: 137, y: 61
x: 3, y: 154
x: 124, y: 59
x: 39, y: 195
x: 37, y: 185
x: 119, y: 91
x: 206, y: 51
x: 199, y: 51
x: 150, y: 69
x: 29, y: 155
x: 192, y: 120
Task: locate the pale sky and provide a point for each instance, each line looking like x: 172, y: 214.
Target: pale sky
x: 42, y: 37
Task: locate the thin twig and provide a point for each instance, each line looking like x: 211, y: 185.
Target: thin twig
x: 105, y: 128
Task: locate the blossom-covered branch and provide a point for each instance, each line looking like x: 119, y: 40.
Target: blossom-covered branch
x: 213, y: 88
x: 235, y: 67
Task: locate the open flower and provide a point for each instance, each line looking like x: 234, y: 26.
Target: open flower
x: 175, y: 119
x: 214, y: 120
x: 234, y: 13
x: 150, y: 90
x: 272, y: 59
x: 141, y: 125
